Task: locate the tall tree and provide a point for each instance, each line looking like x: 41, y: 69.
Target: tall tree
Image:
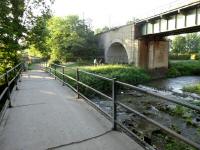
x: 192, y: 42
x: 70, y: 37
x: 16, y: 19
x: 179, y: 44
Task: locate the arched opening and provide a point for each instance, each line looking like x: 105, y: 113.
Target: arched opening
x: 117, y: 54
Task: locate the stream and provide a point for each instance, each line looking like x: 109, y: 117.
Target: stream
x: 180, y: 119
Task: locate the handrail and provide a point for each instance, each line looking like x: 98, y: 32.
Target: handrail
x: 167, y: 130
x: 96, y: 75
x: 7, y: 90
x: 115, y: 103
x: 185, y: 104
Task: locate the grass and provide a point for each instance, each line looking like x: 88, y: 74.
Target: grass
x: 183, y: 68
x: 192, y: 88
x: 124, y: 73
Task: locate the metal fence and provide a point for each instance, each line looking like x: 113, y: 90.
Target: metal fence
x: 60, y: 75
x: 9, y: 78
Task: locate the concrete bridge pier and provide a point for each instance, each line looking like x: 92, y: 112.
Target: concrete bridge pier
x: 153, y: 54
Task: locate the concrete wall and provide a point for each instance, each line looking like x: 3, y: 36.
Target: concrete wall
x: 124, y: 36
x: 119, y: 46
x: 153, y: 53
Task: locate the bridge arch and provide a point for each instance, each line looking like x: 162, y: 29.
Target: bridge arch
x: 116, y: 53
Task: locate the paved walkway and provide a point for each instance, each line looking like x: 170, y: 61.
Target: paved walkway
x: 47, y: 115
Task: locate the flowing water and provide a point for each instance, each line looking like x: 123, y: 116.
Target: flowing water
x: 182, y: 120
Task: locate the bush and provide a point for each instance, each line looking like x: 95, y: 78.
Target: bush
x: 175, y: 56
x: 184, y: 68
x: 192, y: 88
x: 124, y: 73
x: 173, y: 72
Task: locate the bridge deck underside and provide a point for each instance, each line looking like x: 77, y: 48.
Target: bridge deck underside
x: 47, y: 115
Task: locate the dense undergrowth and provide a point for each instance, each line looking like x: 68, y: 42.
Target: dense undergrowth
x: 124, y: 73
x: 192, y: 88
x: 183, y: 68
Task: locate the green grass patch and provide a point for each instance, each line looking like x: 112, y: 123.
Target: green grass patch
x: 192, y: 88
x: 125, y: 73
x: 183, y: 68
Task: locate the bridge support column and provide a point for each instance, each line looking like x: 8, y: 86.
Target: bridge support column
x: 153, y: 54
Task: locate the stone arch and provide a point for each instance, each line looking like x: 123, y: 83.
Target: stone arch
x: 116, y: 53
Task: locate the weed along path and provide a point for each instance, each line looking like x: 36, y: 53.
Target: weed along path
x: 47, y: 115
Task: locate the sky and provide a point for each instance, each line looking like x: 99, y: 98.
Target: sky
x: 111, y: 13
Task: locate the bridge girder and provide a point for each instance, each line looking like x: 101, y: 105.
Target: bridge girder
x: 181, y: 20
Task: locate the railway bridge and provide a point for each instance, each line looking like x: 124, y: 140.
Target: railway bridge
x: 144, y: 43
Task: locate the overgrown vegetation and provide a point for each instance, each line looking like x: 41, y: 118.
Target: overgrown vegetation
x: 17, y: 18
x: 192, y: 88
x: 186, y: 44
x: 124, y: 73
x: 183, y: 68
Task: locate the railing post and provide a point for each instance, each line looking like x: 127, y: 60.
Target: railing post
x: 63, y: 77
x: 20, y: 70
x: 16, y: 77
x: 77, y: 85
x: 55, y: 72
x: 8, y: 86
x: 114, y: 104
x: 50, y: 69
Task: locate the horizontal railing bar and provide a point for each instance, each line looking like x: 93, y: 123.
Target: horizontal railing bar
x: 164, y: 128
x: 64, y: 75
x: 84, y: 97
x: 109, y: 117
x: 64, y: 66
x: 3, y: 93
x: 167, y: 130
x: 96, y: 75
x: 161, y: 96
x: 13, y: 68
x: 102, y: 94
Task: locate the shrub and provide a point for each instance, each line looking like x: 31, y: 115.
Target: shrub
x: 175, y: 56
x: 124, y: 73
x: 192, y: 89
x: 184, y: 68
x: 173, y: 72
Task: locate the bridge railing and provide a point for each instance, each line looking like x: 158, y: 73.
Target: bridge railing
x: 60, y: 75
x: 9, y: 80
x: 167, y: 7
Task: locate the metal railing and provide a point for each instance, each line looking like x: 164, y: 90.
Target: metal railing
x: 177, y: 4
x: 52, y: 69
x: 11, y: 76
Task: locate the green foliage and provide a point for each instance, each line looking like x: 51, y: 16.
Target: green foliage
x: 173, y: 72
x: 183, y: 68
x: 192, y: 88
x: 192, y: 42
x: 179, y: 110
x: 16, y: 19
x: 179, y: 44
x: 178, y: 56
x: 33, y: 51
x: 173, y: 144
x: 70, y: 37
x: 37, y: 37
x: 186, y: 44
x: 100, y: 30
x: 124, y: 73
